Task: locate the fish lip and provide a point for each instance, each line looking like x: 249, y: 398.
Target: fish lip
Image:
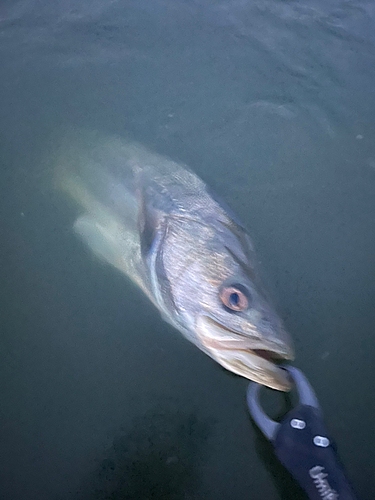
x: 265, y: 348
x: 248, y: 356
x: 253, y: 367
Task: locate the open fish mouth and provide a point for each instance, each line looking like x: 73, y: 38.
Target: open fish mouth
x: 248, y: 356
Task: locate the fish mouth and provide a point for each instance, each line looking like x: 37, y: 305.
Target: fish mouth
x: 250, y: 356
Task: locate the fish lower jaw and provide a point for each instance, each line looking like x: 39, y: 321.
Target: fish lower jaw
x: 254, y: 358
x: 249, y: 365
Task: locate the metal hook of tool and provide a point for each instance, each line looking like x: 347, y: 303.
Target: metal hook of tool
x: 306, y: 396
x: 301, y: 442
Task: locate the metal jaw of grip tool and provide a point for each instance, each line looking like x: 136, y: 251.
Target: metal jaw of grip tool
x: 302, y: 444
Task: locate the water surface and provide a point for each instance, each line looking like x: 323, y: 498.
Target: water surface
x: 272, y: 104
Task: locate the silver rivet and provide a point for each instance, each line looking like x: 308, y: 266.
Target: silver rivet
x: 296, y: 423
x: 321, y: 441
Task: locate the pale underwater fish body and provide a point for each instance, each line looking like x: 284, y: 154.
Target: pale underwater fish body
x: 156, y: 221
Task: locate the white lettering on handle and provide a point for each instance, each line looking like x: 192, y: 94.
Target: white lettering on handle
x: 322, y: 484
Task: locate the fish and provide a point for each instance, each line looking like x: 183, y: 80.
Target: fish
x: 158, y: 223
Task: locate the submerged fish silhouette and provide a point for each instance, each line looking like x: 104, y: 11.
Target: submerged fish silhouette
x: 156, y: 221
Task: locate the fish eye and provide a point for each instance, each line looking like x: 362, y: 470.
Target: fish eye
x: 233, y: 298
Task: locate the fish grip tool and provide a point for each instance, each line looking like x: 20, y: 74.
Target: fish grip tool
x: 301, y: 442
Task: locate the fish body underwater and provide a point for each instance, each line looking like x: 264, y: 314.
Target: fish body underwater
x: 157, y: 222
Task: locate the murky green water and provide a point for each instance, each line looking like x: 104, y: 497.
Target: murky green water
x: 272, y: 103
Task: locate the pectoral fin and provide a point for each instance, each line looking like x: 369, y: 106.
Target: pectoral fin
x: 103, y: 240
x: 112, y: 243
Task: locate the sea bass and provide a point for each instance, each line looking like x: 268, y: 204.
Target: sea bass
x: 157, y: 222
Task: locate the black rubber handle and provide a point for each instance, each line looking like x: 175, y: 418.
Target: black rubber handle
x: 304, y: 448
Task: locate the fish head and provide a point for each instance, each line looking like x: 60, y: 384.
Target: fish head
x: 232, y: 320
x: 240, y: 330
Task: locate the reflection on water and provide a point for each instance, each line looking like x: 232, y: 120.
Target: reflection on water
x: 272, y: 104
